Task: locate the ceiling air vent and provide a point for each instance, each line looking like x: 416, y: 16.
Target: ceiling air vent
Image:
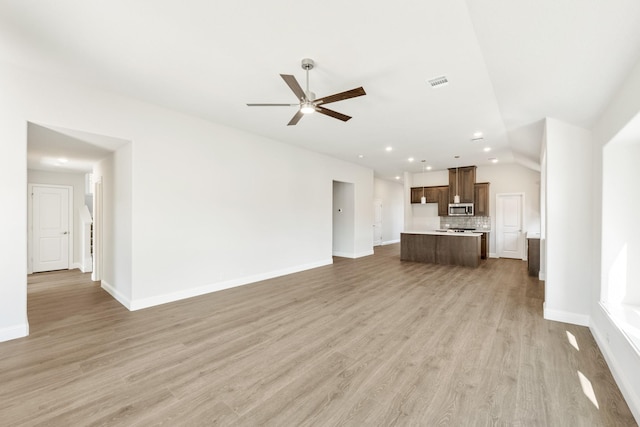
x: 438, y: 82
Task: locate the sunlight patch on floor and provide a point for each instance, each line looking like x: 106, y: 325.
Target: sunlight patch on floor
x: 587, y: 389
x: 572, y: 340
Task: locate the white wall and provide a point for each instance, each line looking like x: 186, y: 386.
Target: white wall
x: 621, y: 357
x: 620, y: 231
x: 569, y: 222
x: 115, y: 174
x: 543, y: 207
x: 343, y: 219
x: 425, y: 217
x: 223, y: 207
x: 212, y: 207
x: 430, y: 179
x: 13, y: 185
x: 75, y: 180
x: 392, y: 196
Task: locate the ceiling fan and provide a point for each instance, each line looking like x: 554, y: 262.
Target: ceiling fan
x: 308, y: 102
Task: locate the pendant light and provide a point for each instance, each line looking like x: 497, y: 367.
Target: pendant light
x: 423, y: 199
x: 456, y: 198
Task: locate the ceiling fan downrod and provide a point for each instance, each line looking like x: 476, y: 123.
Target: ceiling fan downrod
x: 307, y: 105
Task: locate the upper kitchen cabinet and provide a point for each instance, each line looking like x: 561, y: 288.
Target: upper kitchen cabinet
x: 430, y: 193
x: 443, y: 200
x: 462, y: 181
x: 416, y: 194
x: 481, y: 199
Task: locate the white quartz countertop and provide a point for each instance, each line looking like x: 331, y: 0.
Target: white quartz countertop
x: 444, y: 233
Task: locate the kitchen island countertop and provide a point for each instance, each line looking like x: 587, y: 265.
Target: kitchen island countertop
x: 444, y: 233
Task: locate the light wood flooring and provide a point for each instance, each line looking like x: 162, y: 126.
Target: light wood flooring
x: 372, y: 341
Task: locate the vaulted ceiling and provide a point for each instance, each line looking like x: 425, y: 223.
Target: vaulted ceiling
x: 509, y: 64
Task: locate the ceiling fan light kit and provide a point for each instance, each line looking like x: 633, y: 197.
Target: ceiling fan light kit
x: 307, y: 108
x: 307, y: 99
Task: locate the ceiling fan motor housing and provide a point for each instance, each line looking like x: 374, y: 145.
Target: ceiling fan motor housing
x: 307, y: 64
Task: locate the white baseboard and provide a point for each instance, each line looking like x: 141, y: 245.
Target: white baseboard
x: 13, y: 332
x: 201, y: 290
x: 365, y: 253
x: 87, y: 265
x: 565, y: 316
x: 116, y: 294
x: 391, y: 242
x: 343, y: 254
x: 493, y: 255
x: 619, y: 361
x: 75, y: 266
x: 353, y: 255
x: 541, y: 275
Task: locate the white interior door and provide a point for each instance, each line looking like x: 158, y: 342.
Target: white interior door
x: 377, y: 222
x: 51, y: 228
x: 509, y: 219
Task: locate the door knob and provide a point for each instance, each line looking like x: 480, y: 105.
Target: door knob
x: 66, y: 232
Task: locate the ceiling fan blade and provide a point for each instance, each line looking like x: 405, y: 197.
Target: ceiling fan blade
x: 296, y: 118
x: 273, y: 105
x: 340, y: 96
x: 294, y: 85
x: 332, y: 113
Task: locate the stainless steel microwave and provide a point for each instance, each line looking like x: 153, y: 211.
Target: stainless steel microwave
x: 460, y: 209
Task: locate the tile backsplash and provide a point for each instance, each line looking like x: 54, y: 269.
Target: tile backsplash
x: 480, y: 222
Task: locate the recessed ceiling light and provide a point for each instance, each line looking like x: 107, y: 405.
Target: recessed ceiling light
x: 410, y: 159
x: 487, y: 149
x: 494, y: 160
x: 62, y: 160
x: 389, y: 148
x: 397, y: 177
x: 477, y: 135
x: 361, y: 156
x: 428, y: 168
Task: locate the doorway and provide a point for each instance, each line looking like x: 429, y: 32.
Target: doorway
x: 377, y: 222
x: 50, y: 227
x: 509, y: 225
x: 343, y: 219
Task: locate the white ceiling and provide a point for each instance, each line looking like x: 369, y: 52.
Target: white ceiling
x: 63, y: 150
x: 509, y: 64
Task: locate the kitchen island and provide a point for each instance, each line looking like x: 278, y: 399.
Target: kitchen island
x: 438, y: 247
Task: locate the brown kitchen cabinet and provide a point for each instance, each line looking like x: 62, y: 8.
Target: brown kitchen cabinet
x: 481, y: 199
x: 443, y: 200
x: 432, y: 194
x: 466, y: 179
x: 416, y: 194
x: 533, y: 256
x: 484, y: 245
